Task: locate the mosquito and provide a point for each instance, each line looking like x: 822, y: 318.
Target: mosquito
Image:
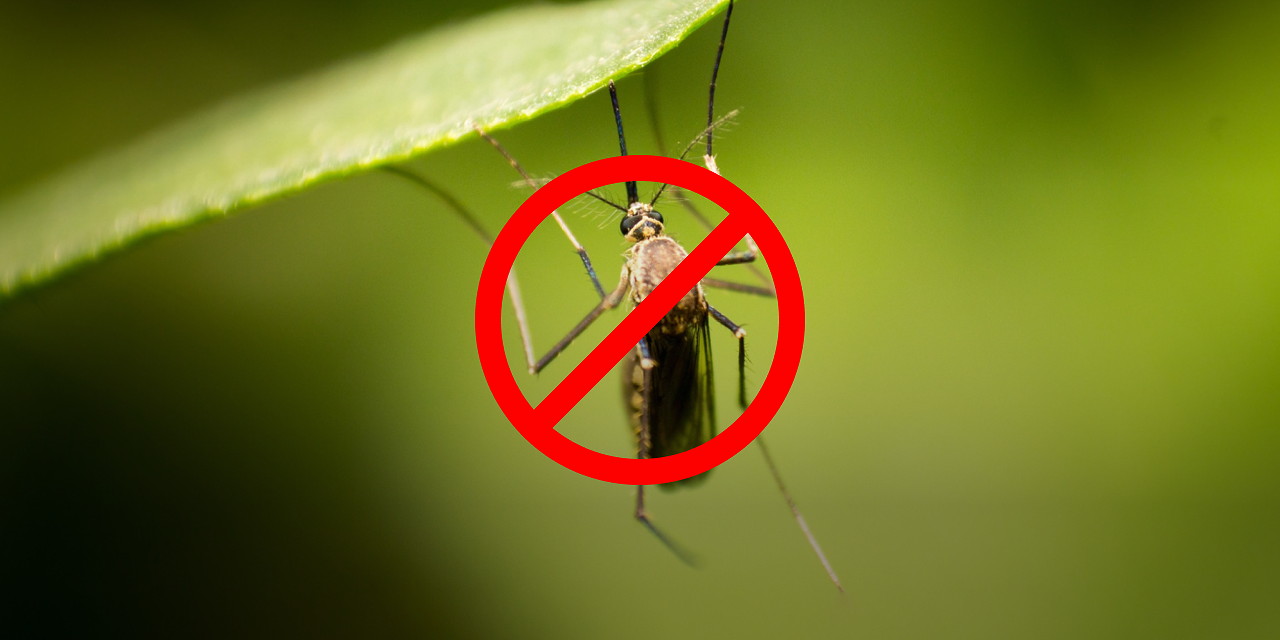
x: 667, y: 385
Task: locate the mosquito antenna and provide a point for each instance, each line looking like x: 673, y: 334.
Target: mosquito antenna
x: 633, y: 196
x: 706, y: 133
x: 719, y: 122
x: 605, y: 200
x: 799, y: 517
x: 711, y: 98
x: 534, y: 183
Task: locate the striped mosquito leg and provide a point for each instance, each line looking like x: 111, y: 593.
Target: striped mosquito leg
x: 577, y: 246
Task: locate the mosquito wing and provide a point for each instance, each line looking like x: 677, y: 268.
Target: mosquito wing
x: 673, y: 404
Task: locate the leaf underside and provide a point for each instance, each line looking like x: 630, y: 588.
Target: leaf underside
x: 416, y: 95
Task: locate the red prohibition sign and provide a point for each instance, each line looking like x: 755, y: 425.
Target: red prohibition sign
x: 537, y: 425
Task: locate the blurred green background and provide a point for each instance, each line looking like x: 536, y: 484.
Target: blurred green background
x: 1041, y: 250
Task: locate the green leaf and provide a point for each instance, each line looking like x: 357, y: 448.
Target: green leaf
x: 419, y: 94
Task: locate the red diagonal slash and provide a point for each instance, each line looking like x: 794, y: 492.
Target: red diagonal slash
x: 622, y: 339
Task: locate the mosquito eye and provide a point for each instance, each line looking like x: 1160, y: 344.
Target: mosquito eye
x: 628, y: 223
x: 655, y: 215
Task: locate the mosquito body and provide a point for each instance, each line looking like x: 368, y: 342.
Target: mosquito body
x: 667, y: 382
x: 669, y: 392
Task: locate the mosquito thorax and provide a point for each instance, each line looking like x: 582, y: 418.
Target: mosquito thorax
x: 641, y: 222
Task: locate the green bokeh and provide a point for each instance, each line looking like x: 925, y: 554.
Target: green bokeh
x: 1041, y: 252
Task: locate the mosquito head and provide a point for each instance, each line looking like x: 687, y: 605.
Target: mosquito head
x: 642, y: 222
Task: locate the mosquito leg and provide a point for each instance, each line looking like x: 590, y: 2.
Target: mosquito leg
x: 738, y: 257
x: 643, y: 433
x: 707, y: 134
x: 710, y: 158
x: 610, y: 301
x: 741, y: 335
x: 513, y: 285
x: 522, y: 320
x: 768, y: 459
x: 799, y: 517
x: 748, y: 258
x: 646, y: 358
x: 742, y: 257
x: 767, y: 292
x: 633, y: 195
x: 738, y: 332
x: 577, y: 246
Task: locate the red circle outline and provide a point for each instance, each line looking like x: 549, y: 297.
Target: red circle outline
x: 511, y: 399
